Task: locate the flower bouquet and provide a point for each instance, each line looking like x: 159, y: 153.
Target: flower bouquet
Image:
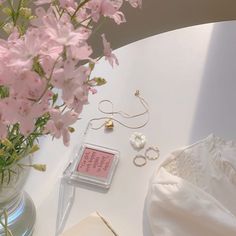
x: 45, y: 75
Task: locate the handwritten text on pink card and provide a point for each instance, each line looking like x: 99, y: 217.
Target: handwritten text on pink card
x: 95, y: 163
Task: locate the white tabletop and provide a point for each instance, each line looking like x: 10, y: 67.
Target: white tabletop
x: 188, y: 77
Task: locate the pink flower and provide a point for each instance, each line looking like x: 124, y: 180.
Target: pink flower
x: 50, y: 55
x: 68, y: 4
x: 106, y: 8
x: 24, y: 50
x: 27, y: 113
x: 108, y: 52
x: 93, y: 90
x: 3, y: 48
x: 14, y: 35
x: 24, y: 112
x: 41, y: 13
x: 61, y: 30
x: 135, y: 3
x: 69, y: 78
x: 81, y: 52
x: 47, y: 64
x: 79, y: 99
x: 59, y: 123
x: 28, y: 86
x: 118, y: 17
x: 7, y: 77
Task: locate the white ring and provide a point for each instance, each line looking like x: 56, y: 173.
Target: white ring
x: 154, y: 149
x: 137, y: 140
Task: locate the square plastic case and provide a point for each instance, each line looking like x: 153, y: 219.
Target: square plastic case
x: 94, y: 165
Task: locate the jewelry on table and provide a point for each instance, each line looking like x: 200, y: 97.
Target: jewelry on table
x: 109, y: 120
x: 140, y: 160
x: 137, y: 140
x: 151, y: 150
x: 109, y: 124
x: 77, y: 172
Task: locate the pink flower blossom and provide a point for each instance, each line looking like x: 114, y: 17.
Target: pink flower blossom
x: 105, y: 8
x: 68, y: 4
x: 27, y: 113
x: 79, y: 98
x: 41, y: 13
x: 69, y: 78
x: 61, y: 30
x: 93, y: 90
x: 14, y: 35
x: 108, y: 52
x: 59, y: 123
x: 3, y: 48
x: 7, y: 77
x: 48, y: 57
x: 118, y: 17
x: 28, y: 86
x: 24, y: 50
x: 81, y: 52
x: 135, y: 3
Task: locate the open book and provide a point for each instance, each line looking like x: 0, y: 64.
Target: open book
x: 93, y: 225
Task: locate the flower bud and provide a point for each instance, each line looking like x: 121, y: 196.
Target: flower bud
x: 35, y: 148
x: 7, y: 11
x: 25, y: 12
x: 2, y: 152
x: 6, y: 142
x: 71, y: 129
x: 9, y: 27
x: 39, y: 167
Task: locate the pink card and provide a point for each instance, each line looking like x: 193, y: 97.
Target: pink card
x: 95, y: 163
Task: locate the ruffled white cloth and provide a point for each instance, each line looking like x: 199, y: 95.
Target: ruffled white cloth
x: 193, y: 192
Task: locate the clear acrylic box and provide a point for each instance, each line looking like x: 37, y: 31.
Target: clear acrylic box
x: 92, y: 166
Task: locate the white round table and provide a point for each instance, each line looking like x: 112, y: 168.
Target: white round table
x: 188, y: 77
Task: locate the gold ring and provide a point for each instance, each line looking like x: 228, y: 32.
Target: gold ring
x: 140, y: 160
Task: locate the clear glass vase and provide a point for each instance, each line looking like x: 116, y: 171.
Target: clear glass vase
x: 21, y: 213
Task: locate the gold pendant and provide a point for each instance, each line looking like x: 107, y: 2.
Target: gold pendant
x: 109, y: 124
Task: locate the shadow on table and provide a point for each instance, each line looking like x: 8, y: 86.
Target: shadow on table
x: 216, y: 105
x: 216, y: 108
x: 146, y: 227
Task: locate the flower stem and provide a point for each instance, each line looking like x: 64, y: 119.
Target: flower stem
x: 17, y: 12
x: 78, y: 7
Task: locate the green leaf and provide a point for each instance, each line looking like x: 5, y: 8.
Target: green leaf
x: 39, y: 167
x: 54, y: 98
x: 35, y: 148
x: 91, y: 65
x: 7, y: 11
x: 99, y: 81
x: 38, y: 68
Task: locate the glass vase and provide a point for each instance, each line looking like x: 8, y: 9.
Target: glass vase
x: 20, y: 209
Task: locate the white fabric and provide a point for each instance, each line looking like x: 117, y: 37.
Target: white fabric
x: 193, y: 192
